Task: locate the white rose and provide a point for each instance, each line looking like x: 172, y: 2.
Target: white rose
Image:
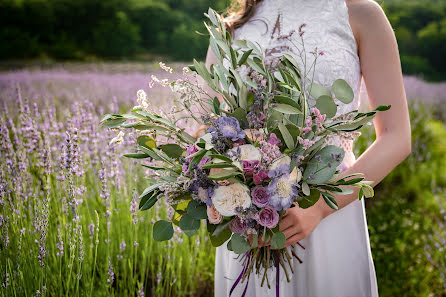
x: 282, y: 160
x: 227, y: 198
x: 248, y: 152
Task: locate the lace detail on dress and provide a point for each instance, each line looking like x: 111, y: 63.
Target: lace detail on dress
x: 326, y: 29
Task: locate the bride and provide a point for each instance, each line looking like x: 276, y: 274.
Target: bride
x: 356, y: 42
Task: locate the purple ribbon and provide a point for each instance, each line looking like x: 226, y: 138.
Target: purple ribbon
x: 277, y: 274
x: 240, y: 277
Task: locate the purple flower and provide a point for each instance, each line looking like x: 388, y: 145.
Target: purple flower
x: 259, y: 196
x: 250, y: 166
x: 192, y: 149
x: 203, y: 161
x: 238, y: 226
x: 281, y: 170
x: 281, y: 191
x: 229, y: 127
x: 260, y: 176
x: 273, y: 139
x: 268, y: 217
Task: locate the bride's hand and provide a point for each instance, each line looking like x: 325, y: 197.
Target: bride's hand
x: 298, y: 223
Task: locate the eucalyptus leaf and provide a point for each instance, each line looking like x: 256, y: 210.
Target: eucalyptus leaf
x: 319, y: 172
x: 221, y: 238
x: 317, y: 91
x: 197, y: 210
x: 326, y: 105
x: 343, y: 91
x: 189, y: 225
x: 239, y: 244
x: 278, y: 240
x: 162, y: 230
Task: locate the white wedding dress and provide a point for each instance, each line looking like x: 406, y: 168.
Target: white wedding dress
x: 337, y: 260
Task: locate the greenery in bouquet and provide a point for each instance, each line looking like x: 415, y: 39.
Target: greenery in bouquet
x: 265, y: 149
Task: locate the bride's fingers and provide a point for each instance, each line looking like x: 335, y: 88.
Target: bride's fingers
x: 286, y: 223
x: 295, y: 238
x: 290, y: 232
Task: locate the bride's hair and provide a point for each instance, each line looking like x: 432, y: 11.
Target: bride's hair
x: 240, y: 12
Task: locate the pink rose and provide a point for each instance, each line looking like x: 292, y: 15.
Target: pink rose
x: 268, y: 217
x: 214, y: 216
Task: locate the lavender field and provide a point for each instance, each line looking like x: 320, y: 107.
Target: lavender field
x: 69, y: 223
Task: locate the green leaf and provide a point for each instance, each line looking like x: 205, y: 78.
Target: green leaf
x: 320, y: 171
x: 221, y: 238
x: 245, y: 56
x: 172, y: 150
x: 368, y: 191
x: 317, y: 91
x: 286, y: 136
x: 310, y: 200
x: 243, y: 97
x: 148, y: 203
x: 240, y: 115
x: 162, y: 230
x: 239, y: 244
x: 278, y: 240
x: 221, y: 157
x: 343, y: 91
x: 150, y: 189
x: 136, y: 156
x: 326, y: 105
x: 287, y: 100
x: 189, y: 225
x: 305, y: 189
x: 287, y: 109
x: 221, y: 227
x: 149, y: 152
x: 224, y: 174
x: 329, y: 199
x: 197, y: 210
x: 217, y: 165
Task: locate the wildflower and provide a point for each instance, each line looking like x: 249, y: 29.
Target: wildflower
x: 229, y: 127
x: 282, y: 190
x: 165, y: 68
x: 118, y: 139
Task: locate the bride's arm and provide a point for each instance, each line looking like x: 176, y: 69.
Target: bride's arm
x: 381, y: 69
x: 210, y: 59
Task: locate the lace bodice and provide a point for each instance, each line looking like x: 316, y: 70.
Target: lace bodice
x: 327, y: 31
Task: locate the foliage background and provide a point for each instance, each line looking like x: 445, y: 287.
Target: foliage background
x: 139, y: 29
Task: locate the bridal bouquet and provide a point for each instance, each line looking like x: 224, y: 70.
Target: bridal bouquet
x: 264, y: 151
